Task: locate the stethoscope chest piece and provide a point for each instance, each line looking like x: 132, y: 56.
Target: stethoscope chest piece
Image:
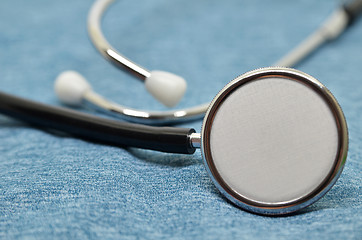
x: 274, y: 140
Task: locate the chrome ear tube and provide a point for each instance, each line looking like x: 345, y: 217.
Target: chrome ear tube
x: 169, y: 88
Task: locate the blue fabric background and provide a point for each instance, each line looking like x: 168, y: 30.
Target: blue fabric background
x: 56, y: 187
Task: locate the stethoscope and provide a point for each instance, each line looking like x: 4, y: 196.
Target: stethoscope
x: 273, y: 140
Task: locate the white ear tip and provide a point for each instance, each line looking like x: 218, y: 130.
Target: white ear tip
x: 166, y: 87
x: 70, y: 87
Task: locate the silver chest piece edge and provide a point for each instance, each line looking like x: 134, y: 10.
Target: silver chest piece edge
x: 274, y: 141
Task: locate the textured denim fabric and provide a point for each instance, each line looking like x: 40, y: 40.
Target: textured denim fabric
x: 55, y: 187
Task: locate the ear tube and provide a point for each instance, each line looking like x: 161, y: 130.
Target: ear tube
x: 74, y: 90
x: 169, y: 88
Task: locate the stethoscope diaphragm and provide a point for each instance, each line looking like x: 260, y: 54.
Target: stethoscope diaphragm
x: 274, y: 140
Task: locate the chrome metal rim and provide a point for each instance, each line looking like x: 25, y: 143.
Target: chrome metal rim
x: 285, y: 207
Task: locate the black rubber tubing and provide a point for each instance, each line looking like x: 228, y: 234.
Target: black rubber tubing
x: 97, y: 129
